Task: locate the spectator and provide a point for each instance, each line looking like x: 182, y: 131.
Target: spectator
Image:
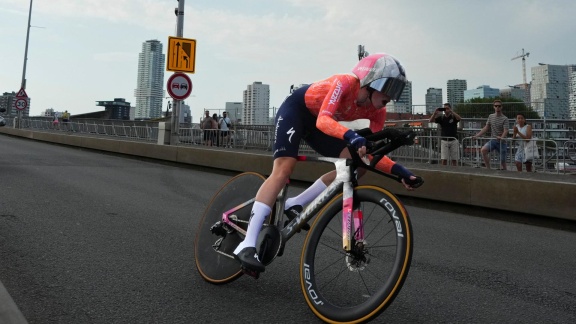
x: 215, y: 132
x: 498, y: 125
x: 450, y: 147
x: 524, y: 132
x: 225, y: 125
x: 55, y: 121
x: 66, y: 119
x: 207, y: 125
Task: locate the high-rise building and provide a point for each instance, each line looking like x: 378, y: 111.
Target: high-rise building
x: 433, y: 99
x: 149, y: 91
x: 404, y: 103
x: 572, y: 91
x: 550, y: 90
x: 455, y: 91
x: 483, y: 91
x: 256, y: 104
x: 234, y: 110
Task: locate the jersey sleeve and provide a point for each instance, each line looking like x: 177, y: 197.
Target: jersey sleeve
x: 326, y: 122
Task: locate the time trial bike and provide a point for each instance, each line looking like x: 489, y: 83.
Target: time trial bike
x: 356, y: 254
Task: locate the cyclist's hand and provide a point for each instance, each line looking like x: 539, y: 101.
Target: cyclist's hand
x: 412, y: 183
x: 356, y: 140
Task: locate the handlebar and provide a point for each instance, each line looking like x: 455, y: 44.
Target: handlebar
x: 381, y: 143
x: 385, y: 141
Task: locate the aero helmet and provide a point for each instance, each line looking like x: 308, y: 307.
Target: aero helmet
x: 383, y: 73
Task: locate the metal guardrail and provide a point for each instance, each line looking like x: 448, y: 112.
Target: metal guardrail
x: 546, y: 162
x: 116, y: 129
x: 425, y: 150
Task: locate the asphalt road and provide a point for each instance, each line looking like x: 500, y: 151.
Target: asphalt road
x: 87, y: 237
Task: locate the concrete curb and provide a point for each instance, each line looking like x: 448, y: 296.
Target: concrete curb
x: 9, y: 312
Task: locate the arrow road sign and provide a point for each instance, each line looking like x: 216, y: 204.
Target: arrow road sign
x: 181, y: 54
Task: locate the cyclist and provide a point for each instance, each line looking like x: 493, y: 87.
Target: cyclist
x: 312, y: 113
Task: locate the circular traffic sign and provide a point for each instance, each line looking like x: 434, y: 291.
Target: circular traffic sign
x: 179, y: 86
x: 21, y: 104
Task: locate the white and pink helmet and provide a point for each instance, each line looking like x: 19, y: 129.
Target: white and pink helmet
x: 383, y: 73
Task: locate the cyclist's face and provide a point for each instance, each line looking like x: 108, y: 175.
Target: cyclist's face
x: 379, y: 100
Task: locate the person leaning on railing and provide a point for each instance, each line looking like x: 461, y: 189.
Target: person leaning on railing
x: 498, y: 125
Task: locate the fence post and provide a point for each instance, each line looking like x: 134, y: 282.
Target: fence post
x: 164, y: 133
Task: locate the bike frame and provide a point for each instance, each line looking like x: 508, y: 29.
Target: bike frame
x: 345, y: 181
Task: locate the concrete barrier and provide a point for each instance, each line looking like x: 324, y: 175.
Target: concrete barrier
x: 540, y: 194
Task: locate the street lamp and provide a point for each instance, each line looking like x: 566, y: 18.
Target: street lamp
x: 23, y: 84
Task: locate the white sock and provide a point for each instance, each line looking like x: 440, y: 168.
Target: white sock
x: 259, y: 213
x: 307, y: 196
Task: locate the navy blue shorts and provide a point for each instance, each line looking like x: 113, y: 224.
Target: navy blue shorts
x: 294, y: 122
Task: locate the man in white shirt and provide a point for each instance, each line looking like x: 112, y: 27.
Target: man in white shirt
x: 225, y: 125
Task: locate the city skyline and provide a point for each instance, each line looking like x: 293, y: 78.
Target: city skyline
x: 81, y: 53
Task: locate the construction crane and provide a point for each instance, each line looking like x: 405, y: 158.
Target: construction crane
x: 523, y: 56
x: 362, y: 52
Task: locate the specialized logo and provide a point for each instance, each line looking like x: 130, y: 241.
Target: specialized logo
x: 290, y: 132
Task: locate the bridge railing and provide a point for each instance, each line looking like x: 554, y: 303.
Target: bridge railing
x: 426, y: 149
x: 547, y: 161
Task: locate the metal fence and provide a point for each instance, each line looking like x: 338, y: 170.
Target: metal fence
x: 426, y: 149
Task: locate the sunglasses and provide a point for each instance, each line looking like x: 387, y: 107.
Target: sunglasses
x: 497, y: 106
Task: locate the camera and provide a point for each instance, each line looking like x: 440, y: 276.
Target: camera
x: 441, y: 109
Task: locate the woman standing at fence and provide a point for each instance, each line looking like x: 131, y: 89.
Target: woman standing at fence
x: 55, y: 121
x: 522, y: 131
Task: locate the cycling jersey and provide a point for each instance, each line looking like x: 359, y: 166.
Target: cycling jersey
x: 312, y: 113
x: 333, y: 100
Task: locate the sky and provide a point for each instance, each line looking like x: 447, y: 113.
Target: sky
x: 81, y: 52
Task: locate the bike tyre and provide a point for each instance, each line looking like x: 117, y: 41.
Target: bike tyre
x: 334, y: 292
x: 212, y: 266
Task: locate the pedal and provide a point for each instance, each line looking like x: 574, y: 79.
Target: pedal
x: 218, y: 229
x: 251, y: 273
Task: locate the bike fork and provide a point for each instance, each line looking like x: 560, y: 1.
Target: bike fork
x: 352, y: 227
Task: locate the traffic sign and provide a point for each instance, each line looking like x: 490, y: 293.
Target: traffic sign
x: 181, y: 54
x: 22, y: 93
x: 21, y: 103
x: 179, y: 86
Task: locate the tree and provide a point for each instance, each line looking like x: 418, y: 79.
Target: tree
x: 482, y: 107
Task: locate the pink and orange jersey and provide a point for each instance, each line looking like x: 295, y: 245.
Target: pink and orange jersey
x: 333, y: 100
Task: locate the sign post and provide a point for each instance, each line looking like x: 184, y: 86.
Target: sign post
x: 175, y: 118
